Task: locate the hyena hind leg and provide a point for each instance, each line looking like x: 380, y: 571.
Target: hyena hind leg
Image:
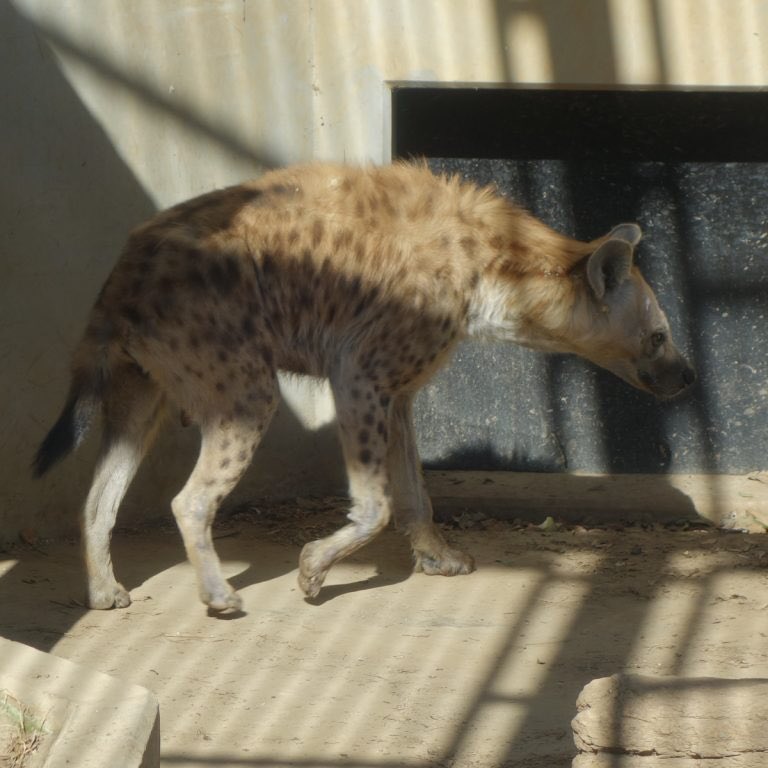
x: 132, y: 409
x: 413, y: 508
x: 228, y: 443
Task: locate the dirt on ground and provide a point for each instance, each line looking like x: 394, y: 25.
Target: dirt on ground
x: 389, y: 668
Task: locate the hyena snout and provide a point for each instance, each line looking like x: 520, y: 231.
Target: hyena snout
x: 666, y: 379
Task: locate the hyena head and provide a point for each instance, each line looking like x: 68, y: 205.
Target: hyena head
x: 630, y: 334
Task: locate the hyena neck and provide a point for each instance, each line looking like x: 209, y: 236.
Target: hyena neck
x: 532, y: 311
x: 529, y: 291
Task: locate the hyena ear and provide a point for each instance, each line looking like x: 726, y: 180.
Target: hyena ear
x: 631, y: 233
x: 609, y: 266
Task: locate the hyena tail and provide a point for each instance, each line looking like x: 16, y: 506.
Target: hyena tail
x: 86, y: 392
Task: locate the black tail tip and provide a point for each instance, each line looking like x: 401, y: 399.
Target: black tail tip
x: 63, y: 438
x: 53, y: 449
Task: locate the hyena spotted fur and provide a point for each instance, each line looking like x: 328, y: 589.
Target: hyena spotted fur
x: 368, y: 277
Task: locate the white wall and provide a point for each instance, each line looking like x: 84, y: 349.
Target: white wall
x: 113, y: 108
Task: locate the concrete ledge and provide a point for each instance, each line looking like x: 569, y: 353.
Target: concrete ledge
x: 734, y: 501
x: 640, y: 721
x: 92, y: 719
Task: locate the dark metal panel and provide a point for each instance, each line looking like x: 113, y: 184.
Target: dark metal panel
x: 705, y: 253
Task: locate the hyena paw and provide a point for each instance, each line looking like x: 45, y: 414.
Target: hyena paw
x: 311, y: 571
x: 225, y: 599
x: 110, y: 596
x: 447, y: 562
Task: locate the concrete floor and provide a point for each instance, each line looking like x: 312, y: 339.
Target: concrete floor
x: 390, y: 668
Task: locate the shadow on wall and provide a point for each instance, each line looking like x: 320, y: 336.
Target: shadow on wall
x: 65, y: 218
x: 66, y: 203
x: 537, y: 38
x: 154, y: 98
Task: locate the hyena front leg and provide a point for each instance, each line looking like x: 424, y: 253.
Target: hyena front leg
x: 132, y: 407
x: 229, y: 440
x: 362, y: 414
x: 413, y: 509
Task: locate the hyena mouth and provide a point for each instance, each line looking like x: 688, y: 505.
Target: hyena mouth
x: 669, y: 385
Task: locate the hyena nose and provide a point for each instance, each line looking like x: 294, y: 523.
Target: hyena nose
x: 689, y: 376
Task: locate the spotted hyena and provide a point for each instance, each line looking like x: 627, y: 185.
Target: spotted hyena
x: 368, y: 277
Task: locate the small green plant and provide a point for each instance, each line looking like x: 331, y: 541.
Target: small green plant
x: 20, y: 731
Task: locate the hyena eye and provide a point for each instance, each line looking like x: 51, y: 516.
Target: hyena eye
x: 657, y: 339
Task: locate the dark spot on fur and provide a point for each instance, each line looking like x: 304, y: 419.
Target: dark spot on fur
x: 242, y: 456
x: 194, y: 341
x: 361, y: 305
x: 145, y: 266
x: 195, y: 279
x: 223, y: 356
x: 247, y: 326
x: 365, y: 456
x: 354, y: 286
x: 193, y: 371
x: 228, y: 340
x: 282, y: 190
x: 474, y: 280
x: 363, y: 436
x: 266, y: 353
x: 268, y: 265
x: 136, y: 287
x: 469, y: 244
x: 165, y: 285
x: 224, y: 275
x: 225, y: 463
x: 220, y: 386
x: 368, y: 419
x: 343, y: 239
x: 131, y: 314
x: 496, y: 242
x: 384, y: 401
x: 387, y: 205
x: 159, y: 310
x: 303, y: 298
x: 318, y: 230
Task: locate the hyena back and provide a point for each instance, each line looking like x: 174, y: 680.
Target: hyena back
x: 368, y: 277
